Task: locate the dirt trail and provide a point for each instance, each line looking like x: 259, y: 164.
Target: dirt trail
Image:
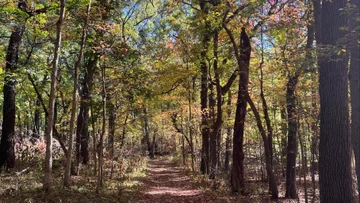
x: 166, y: 182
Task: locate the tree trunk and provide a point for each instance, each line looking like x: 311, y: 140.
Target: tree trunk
x: 334, y: 150
x: 50, y: 121
x: 37, y: 117
x: 304, y: 165
x: 228, y: 136
x: 204, y: 167
x: 74, y: 100
x: 112, y: 118
x: 82, y: 130
x: 183, y: 150
x: 7, y: 153
x: 94, y: 136
x: 269, y: 170
x: 147, y: 132
x: 191, y: 144
x: 283, y: 128
x: 237, y: 171
x: 101, y: 140
x: 292, y: 142
x: 354, y: 77
x: 265, y: 107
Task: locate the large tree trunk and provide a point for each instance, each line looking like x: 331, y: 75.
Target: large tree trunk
x: 355, y: 86
x: 50, y: 121
x: 7, y: 153
x: 82, y: 131
x: 334, y: 150
x: 237, y: 170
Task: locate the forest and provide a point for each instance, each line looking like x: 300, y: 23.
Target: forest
x: 180, y: 101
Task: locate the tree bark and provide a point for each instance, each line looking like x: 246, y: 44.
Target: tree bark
x: 112, y: 117
x: 354, y: 77
x: 7, y: 153
x: 243, y: 59
x: 50, y: 121
x: 102, y: 135
x: 82, y: 130
x: 291, y: 151
x: 205, y: 132
x: 147, y: 133
x: 228, y: 136
x: 334, y: 150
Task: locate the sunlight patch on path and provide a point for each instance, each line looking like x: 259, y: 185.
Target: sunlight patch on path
x: 172, y: 191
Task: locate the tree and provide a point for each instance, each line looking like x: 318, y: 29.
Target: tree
x: 243, y: 60
x: 82, y: 130
x: 334, y: 149
x: 50, y: 120
x: 205, y: 131
x: 354, y: 76
x: 7, y: 153
x: 74, y: 98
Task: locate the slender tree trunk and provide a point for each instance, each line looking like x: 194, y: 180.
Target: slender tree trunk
x: 191, y: 144
x: 112, y: 118
x: 37, y: 118
x: 93, y: 136
x: 228, y: 136
x: 147, y: 133
x: 304, y: 165
x: 50, y: 121
x: 183, y: 150
x: 334, y: 171
x: 74, y: 100
x: 215, y: 142
x: 265, y: 107
x: 269, y: 170
x: 101, y: 140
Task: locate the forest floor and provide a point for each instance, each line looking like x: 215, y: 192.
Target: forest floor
x: 159, y: 180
